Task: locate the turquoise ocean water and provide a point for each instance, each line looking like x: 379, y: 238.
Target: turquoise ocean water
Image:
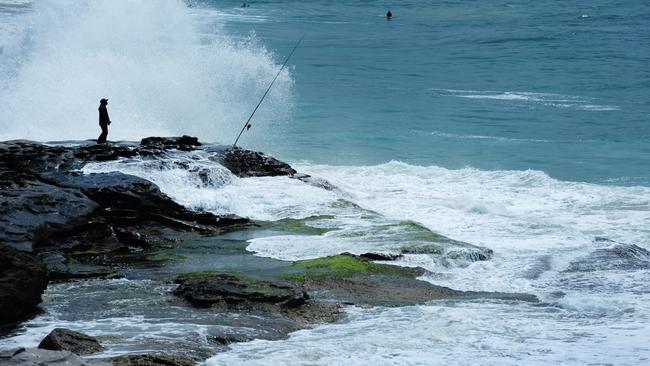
x: 561, y: 87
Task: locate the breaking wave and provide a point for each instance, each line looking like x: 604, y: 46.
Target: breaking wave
x: 164, y: 70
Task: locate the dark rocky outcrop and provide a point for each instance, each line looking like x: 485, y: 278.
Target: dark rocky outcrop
x: 283, y: 303
x: 229, y: 338
x: 246, y: 163
x: 47, y: 207
x: 61, y: 339
x: 31, y: 209
x: 41, y: 357
x: 152, y: 360
x: 380, y: 256
x: 23, y: 279
x: 43, y: 201
x: 183, y: 143
x: 237, y: 291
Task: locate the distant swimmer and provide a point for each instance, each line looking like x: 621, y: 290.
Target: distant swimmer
x: 244, y: 5
x: 104, y: 121
x: 389, y: 14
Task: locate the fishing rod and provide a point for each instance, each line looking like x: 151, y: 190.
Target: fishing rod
x: 247, y: 125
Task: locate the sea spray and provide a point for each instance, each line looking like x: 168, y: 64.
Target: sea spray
x: 163, y: 71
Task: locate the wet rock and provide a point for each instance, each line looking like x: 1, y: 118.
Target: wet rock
x: 59, y: 267
x: 30, y: 209
x: 118, y: 191
x: 228, y: 338
x: 23, y: 155
x: 352, y: 279
x: 246, y: 163
x: 377, y: 291
x: 183, y: 143
x: 23, y: 279
x: 132, y: 199
x: 237, y: 291
x: 152, y: 360
x: 279, y: 307
x: 41, y: 357
x: 470, y: 255
x: 61, y: 339
x: 618, y: 256
x: 380, y: 256
x: 347, y: 265
x: 131, y: 212
x: 101, y: 152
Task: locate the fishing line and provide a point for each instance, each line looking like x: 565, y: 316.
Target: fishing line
x: 247, y: 125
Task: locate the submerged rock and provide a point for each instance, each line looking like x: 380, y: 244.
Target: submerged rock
x: 61, y: 339
x: 618, y: 256
x: 23, y: 279
x: 41, y: 357
x: 152, y: 360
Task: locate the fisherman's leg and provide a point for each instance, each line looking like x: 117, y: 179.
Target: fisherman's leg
x: 102, y: 138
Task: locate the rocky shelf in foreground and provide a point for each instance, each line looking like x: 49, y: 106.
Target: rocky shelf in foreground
x: 50, y: 210
x: 59, y: 224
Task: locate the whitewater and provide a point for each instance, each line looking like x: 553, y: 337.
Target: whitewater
x: 565, y: 209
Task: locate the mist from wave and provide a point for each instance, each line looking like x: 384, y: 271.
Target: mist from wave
x: 165, y: 69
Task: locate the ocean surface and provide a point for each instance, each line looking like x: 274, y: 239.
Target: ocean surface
x: 521, y: 126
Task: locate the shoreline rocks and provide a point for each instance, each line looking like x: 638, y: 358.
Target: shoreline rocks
x: 82, y: 226
x: 312, y: 291
x: 61, y: 339
x: 23, y: 279
x: 243, y: 293
x: 156, y: 359
x: 37, y: 357
x: 51, y: 210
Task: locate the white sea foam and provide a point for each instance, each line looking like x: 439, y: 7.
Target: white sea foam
x: 536, y: 225
x: 453, y: 334
x: 164, y: 70
x: 521, y: 215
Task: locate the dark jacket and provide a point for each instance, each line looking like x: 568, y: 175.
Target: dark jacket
x: 103, y: 116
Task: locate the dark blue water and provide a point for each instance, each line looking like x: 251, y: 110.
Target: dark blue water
x: 561, y: 87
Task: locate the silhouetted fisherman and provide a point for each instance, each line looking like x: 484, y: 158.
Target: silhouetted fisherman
x: 104, y: 121
x: 389, y: 14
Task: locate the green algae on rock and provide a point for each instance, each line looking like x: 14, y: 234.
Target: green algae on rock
x: 300, y: 226
x: 348, y: 265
